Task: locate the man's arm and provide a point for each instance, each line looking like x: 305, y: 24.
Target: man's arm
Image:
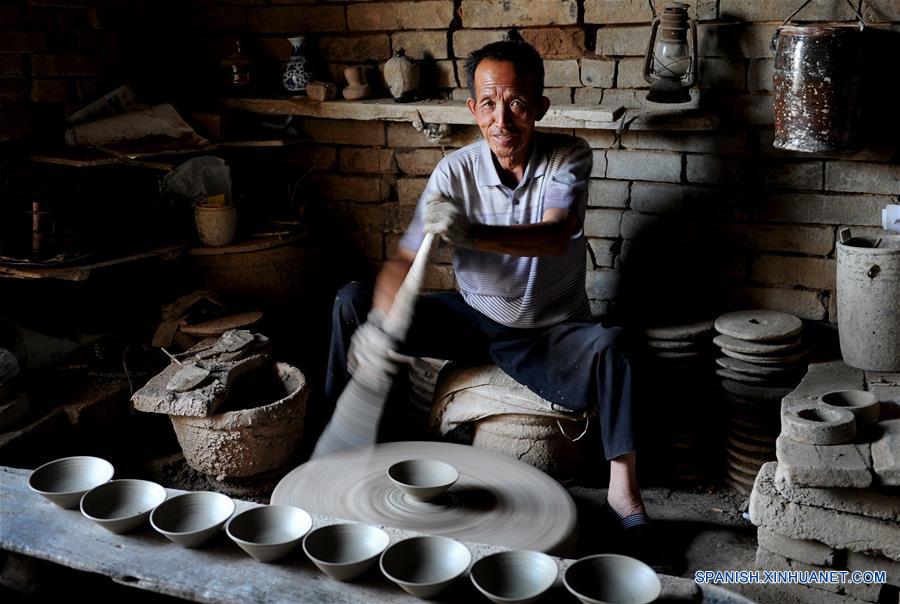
x: 550, y: 237
x: 390, y: 278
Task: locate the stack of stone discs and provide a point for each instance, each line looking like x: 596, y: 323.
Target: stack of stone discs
x: 762, y: 360
x: 679, y: 358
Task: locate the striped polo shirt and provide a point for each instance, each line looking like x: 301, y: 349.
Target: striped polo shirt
x: 516, y: 291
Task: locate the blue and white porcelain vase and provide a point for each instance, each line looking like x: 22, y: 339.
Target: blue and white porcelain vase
x: 299, y: 70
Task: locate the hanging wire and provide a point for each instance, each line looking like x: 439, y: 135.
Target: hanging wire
x: 856, y: 9
x: 653, y: 8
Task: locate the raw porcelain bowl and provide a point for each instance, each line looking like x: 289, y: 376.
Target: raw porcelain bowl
x: 425, y: 566
x: 64, y: 481
x: 612, y: 579
x: 192, y: 519
x: 516, y: 577
x: 121, y: 505
x: 423, y: 479
x: 269, y: 532
x: 861, y: 403
x: 345, y: 551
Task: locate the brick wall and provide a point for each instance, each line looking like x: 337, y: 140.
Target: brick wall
x: 677, y: 223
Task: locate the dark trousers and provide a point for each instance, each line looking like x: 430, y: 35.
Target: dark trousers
x: 576, y: 365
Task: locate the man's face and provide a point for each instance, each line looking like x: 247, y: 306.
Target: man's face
x: 506, y: 110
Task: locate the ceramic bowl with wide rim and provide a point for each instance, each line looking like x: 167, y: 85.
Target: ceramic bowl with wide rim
x: 64, y: 481
x: 269, y: 532
x: 612, y: 579
x: 423, y: 479
x: 192, y: 519
x: 514, y: 577
x: 861, y: 403
x: 345, y: 551
x: 425, y: 566
x: 122, y: 505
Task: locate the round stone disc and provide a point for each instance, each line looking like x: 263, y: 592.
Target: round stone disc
x: 752, y: 368
x: 759, y: 325
x: 690, y: 331
x: 751, y: 448
x: 755, y: 348
x: 671, y: 355
x: 748, y: 458
x: 672, y: 344
x: 765, y: 393
x: 783, y: 359
x: 497, y: 500
x: 742, y: 377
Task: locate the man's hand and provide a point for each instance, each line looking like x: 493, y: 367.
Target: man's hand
x: 445, y: 218
x: 372, y: 349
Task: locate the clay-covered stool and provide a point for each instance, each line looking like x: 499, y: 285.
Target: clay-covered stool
x: 509, y: 419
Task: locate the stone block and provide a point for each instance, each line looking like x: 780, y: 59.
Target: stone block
x: 768, y: 509
x: 597, y: 73
x: 858, y: 561
x: 49, y: 91
x: 886, y: 452
x: 353, y: 188
x: 822, y: 378
x: 760, y: 75
x: 749, y: 41
x: 815, y: 241
x: 355, y: 49
x: 374, y: 161
x: 748, y: 109
x: 776, y: 10
x: 635, y: 11
x: 345, y: 132
x: 418, y: 162
x: 657, y: 198
x: 768, y: 560
x: 636, y: 225
x: 718, y: 142
x: 313, y: 156
x: 410, y: 189
x: 393, y: 16
x: 443, y: 74
x: 803, y: 465
x: 591, y: 96
x: 802, y: 303
x: 790, y: 271
x: 862, y: 177
x: 465, y: 41
x: 558, y: 96
x: 630, y: 74
x: 713, y: 169
x: 602, y: 284
x: 421, y: 44
x: 872, y: 502
x: 561, y: 73
x: 598, y: 164
x: 604, y: 193
x: 602, y: 223
x: 723, y: 73
x: 602, y: 252
x: 783, y: 175
x: 643, y: 165
x: 288, y: 20
x: 622, y: 41
x: 817, y: 208
x: 404, y: 135
x: 556, y: 42
x: 802, y: 550
x: 517, y: 13
x: 597, y: 139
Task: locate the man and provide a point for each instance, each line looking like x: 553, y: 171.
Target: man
x: 513, y: 205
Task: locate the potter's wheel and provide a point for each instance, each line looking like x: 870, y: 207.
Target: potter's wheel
x: 498, y: 500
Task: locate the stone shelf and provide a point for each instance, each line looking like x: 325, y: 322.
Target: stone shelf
x: 595, y: 117
x: 79, y: 271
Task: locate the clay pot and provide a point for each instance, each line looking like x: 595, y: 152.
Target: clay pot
x: 237, y: 444
x: 401, y: 74
x: 357, y: 85
x: 216, y: 225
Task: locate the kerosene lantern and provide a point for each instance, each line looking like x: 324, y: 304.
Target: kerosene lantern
x: 670, y: 66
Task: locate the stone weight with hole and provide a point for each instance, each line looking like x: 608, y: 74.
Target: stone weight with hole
x: 816, y: 424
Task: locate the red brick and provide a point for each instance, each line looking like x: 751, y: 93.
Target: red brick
x: 421, y: 44
x: 353, y: 188
x: 12, y: 67
x: 49, y: 91
x: 556, y: 42
x: 355, y: 48
x: 373, y: 161
x: 465, y: 41
x: 391, y: 16
x: 518, y: 13
x: 418, y: 162
x: 296, y: 19
x: 346, y: 132
x: 218, y: 18
x: 410, y: 189
x: 22, y: 41
x: 314, y: 157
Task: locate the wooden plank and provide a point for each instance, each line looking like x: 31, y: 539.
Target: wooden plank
x: 80, y: 272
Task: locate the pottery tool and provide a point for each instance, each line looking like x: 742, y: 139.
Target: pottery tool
x: 497, y: 500
x: 357, y: 413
